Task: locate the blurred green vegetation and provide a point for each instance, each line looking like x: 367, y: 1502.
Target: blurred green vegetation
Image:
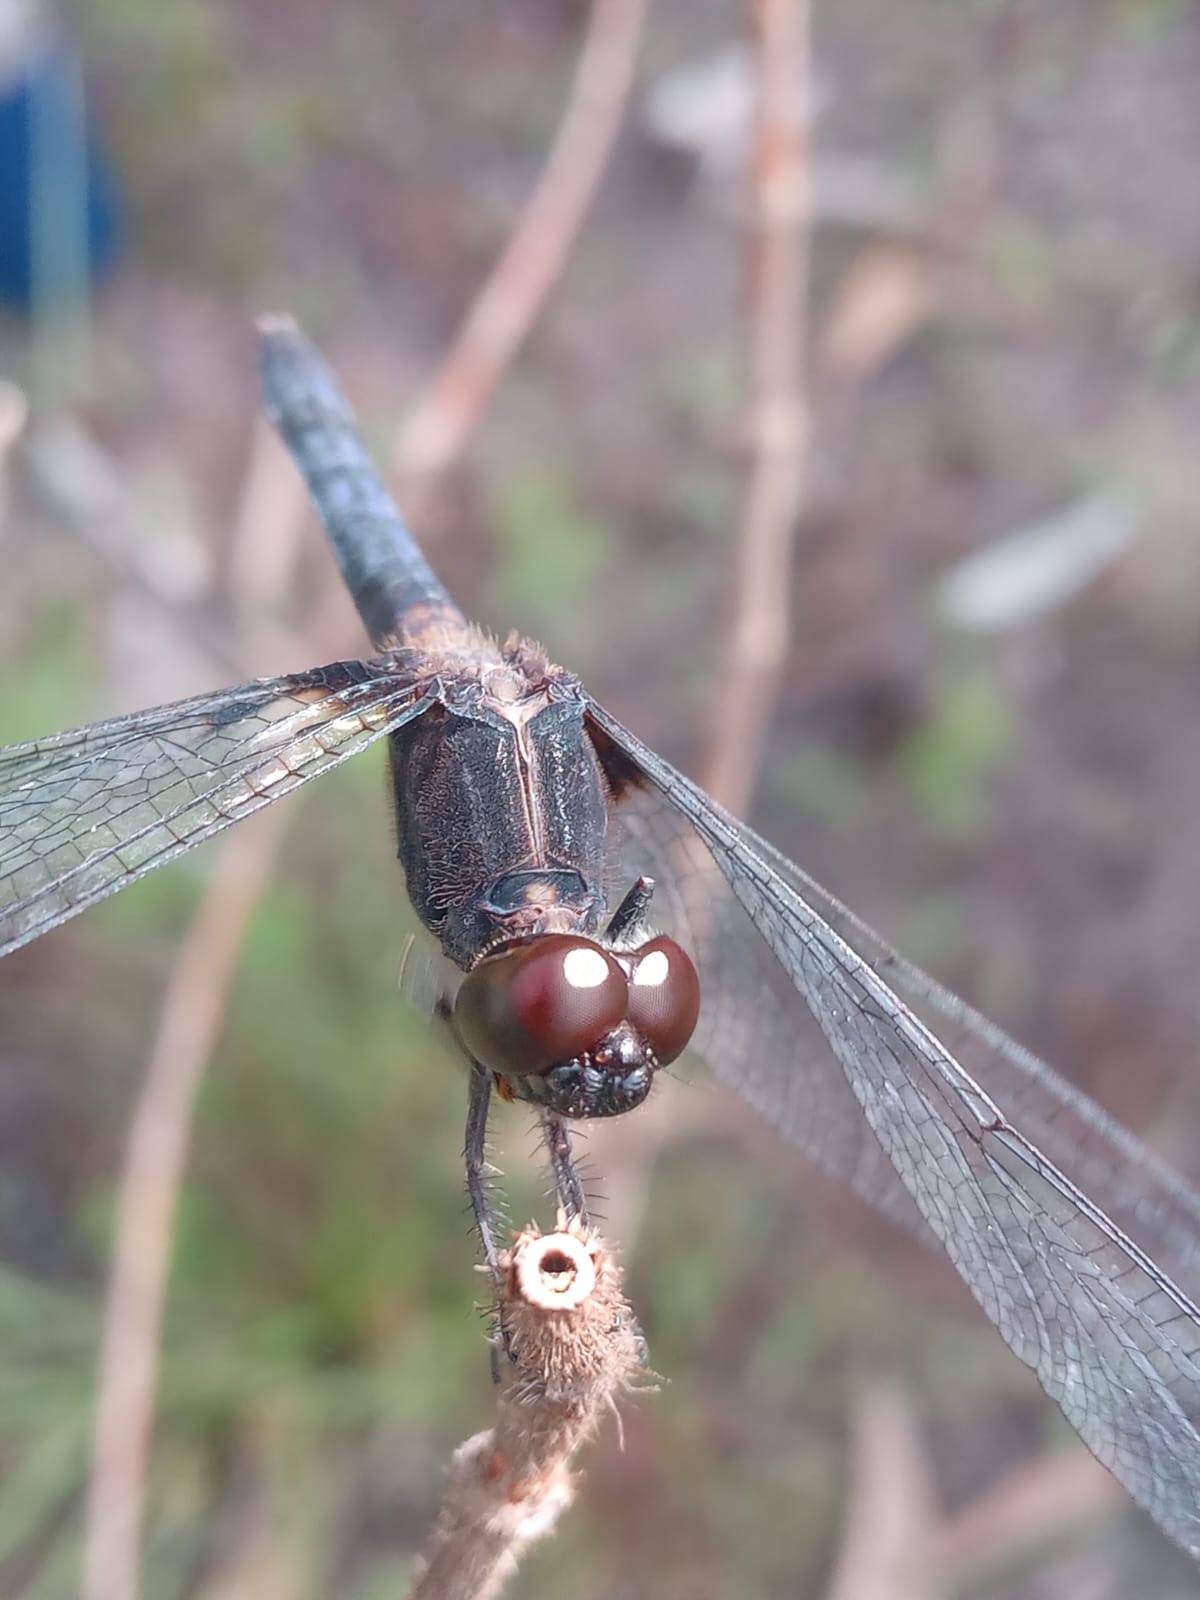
x: 948, y: 760
x: 188, y: 110
x: 823, y: 784
x: 54, y: 664
x: 705, y: 385
x: 552, y: 553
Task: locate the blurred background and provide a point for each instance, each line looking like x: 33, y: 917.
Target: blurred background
x: 994, y: 760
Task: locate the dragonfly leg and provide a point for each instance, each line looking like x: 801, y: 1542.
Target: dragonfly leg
x: 567, y: 1183
x: 631, y: 910
x: 571, y: 1194
x: 475, y: 1152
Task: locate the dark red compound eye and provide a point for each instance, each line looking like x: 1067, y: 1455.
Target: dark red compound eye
x: 664, y: 997
x: 538, y: 1004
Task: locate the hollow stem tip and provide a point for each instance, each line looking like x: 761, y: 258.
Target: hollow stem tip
x: 573, y: 1348
x: 570, y: 1333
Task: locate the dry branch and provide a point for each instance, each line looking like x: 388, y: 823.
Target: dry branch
x: 1036, y: 1504
x: 191, y: 1017
x: 753, y: 652
x: 573, y: 1352
x: 534, y: 258
x: 888, y: 1537
x: 14, y: 413
x: 271, y: 511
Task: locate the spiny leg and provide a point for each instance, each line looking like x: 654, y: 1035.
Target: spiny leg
x: 631, y: 910
x: 567, y: 1183
x: 475, y: 1152
x: 570, y: 1190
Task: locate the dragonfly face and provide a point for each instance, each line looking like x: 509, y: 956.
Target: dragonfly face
x: 576, y: 1027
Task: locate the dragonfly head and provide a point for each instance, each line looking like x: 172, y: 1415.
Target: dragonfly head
x: 572, y: 1025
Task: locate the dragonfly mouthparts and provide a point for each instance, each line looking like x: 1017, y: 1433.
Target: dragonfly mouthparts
x: 613, y: 1078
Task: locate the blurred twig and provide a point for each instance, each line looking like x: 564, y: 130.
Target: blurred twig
x: 191, y: 1018
x: 14, y: 411
x: 189, y: 1022
x: 533, y: 260
x: 752, y: 655
x: 753, y: 652
x: 885, y: 295
x: 574, y: 1352
x: 272, y: 509
x: 1034, y: 1504
x: 896, y: 1547
x: 887, y: 1541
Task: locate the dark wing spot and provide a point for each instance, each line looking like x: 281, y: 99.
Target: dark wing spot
x: 621, y: 771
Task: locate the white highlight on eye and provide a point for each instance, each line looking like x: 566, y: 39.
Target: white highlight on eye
x: 585, y: 969
x: 653, y: 970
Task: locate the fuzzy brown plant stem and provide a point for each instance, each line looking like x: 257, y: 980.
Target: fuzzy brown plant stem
x: 574, y: 1351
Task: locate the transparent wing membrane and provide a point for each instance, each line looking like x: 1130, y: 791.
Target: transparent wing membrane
x: 84, y: 813
x: 940, y: 1130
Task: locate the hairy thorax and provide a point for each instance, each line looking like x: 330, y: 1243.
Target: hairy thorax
x: 501, y: 802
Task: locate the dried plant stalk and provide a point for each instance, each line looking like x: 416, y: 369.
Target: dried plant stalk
x: 191, y: 1017
x: 1037, y: 1503
x: 533, y: 260
x: 890, y: 1521
x: 753, y: 653
x: 574, y: 1349
x: 192, y: 1013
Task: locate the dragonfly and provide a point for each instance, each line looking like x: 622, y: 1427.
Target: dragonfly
x: 524, y: 811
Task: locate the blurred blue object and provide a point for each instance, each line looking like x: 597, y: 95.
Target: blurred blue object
x: 62, y: 225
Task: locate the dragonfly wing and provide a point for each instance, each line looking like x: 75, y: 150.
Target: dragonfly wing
x: 755, y: 1032
x: 82, y: 814
x: 1110, y: 1336
x: 1145, y: 1196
